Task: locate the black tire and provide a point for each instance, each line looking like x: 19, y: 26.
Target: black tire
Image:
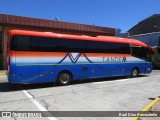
x: 134, y: 73
x: 64, y: 78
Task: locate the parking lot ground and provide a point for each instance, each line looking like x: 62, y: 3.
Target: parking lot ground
x: 151, y: 109
x: 2, y: 72
x: 107, y: 94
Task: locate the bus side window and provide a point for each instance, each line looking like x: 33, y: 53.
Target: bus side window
x: 20, y: 43
x: 99, y: 47
x: 65, y: 45
x: 70, y: 45
x: 13, y: 43
x: 43, y: 44
x: 23, y: 43
x: 139, y: 52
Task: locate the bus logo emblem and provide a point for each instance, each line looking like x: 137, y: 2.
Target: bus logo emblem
x: 74, y: 57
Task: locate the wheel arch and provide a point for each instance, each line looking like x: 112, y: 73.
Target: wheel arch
x: 134, y: 73
x: 65, y: 70
x: 135, y: 67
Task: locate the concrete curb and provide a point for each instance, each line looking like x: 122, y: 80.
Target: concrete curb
x: 148, y: 108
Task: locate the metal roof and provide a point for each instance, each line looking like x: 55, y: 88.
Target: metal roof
x: 145, y: 20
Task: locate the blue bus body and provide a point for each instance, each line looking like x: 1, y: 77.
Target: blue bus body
x: 37, y: 70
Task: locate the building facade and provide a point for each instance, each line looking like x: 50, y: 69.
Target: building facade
x: 9, y: 22
x: 148, y: 25
x: 147, y: 31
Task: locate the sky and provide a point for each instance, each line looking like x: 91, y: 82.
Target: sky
x: 123, y: 14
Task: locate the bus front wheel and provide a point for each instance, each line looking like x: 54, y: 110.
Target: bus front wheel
x: 64, y: 78
x: 134, y: 73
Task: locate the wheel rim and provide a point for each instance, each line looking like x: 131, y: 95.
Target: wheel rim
x: 64, y: 78
x: 135, y: 72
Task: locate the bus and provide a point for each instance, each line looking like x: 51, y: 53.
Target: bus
x: 40, y: 57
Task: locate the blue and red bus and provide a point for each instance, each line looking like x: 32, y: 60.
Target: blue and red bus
x: 39, y: 57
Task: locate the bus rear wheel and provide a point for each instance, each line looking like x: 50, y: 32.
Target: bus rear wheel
x: 64, y: 78
x: 134, y: 73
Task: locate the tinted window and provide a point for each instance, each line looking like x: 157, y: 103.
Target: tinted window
x: 99, y: 47
x: 116, y: 48
x: 69, y: 45
x: 44, y: 44
x: 109, y: 47
x: 125, y: 48
x: 141, y: 52
x: 21, y: 43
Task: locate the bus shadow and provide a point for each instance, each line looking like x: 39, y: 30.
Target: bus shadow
x: 7, y: 87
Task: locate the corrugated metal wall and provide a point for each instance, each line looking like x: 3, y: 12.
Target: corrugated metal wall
x: 151, y: 39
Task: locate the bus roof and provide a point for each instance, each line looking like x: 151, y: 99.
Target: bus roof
x: 77, y: 37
